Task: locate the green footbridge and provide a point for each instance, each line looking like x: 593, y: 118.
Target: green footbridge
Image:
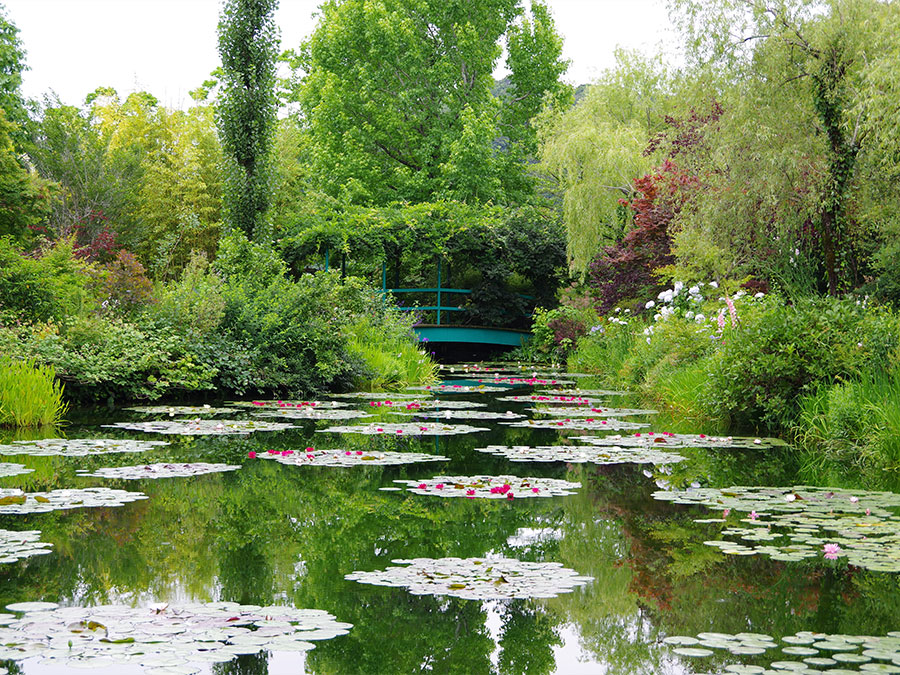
x: 444, y: 331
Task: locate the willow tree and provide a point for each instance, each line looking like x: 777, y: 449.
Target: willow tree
x: 246, y: 111
x: 794, y: 152
x: 594, y: 151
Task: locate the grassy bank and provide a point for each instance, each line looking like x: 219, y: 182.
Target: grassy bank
x: 822, y: 372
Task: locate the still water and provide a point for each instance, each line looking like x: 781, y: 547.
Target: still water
x: 276, y: 534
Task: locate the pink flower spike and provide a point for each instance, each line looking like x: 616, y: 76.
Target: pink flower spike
x: 251, y: 455
x: 831, y: 551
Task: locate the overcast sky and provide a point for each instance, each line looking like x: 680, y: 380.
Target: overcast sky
x: 168, y: 47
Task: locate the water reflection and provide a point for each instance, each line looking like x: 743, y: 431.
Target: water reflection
x: 274, y: 534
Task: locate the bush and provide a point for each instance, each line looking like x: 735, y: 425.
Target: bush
x: 783, y: 352
x: 103, y: 358
x: 29, y: 394
x: 50, y: 286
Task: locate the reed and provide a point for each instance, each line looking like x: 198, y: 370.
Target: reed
x: 30, y: 394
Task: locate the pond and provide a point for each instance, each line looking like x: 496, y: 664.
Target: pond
x: 500, y: 523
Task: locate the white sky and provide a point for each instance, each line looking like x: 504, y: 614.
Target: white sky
x: 168, y: 47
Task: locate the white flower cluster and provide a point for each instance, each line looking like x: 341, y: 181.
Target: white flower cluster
x: 677, y: 301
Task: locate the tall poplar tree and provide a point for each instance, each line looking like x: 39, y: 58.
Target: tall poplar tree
x: 248, y: 43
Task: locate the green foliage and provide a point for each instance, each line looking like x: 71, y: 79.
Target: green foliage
x: 49, y: 286
x: 557, y: 332
x: 855, y: 423
x: 397, y: 96
x: 782, y: 352
x: 194, y: 304
x: 248, y: 42
x: 30, y: 396
x: 392, y: 357
x: 498, y: 253
x: 12, y: 63
x: 24, y: 197
x: 105, y: 358
x: 593, y: 151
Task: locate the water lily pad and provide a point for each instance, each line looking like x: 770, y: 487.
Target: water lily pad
x: 71, y: 498
x: 79, y: 447
x: 459, y: 388
x: 580, y: 454
x: 476, y: 578
x: 15, y: 545
x: 490, y: 487
x: 287, y: 405
x: 427, y: 404
x: 551, y: 400
x: 172, y: 410
x: 580, y: 424
x: 347, y: 458
x: 202, y: 427
x: 379, y: 395
x: 583, y: 392
x: 671, y: 440
x: 693, y: 651
x: 162, y: 637
x: 161, y: 470
x: 467, y: 415
x: 8, y: 469
x: 424, y: 429
x: 312, y: 414
x: 590, y: 411
x: 859, y: 527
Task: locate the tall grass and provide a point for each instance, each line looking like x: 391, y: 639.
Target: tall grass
x: 392, y: 360
x: 604, y: 355
x: 683, y: 389
x: 856, y: 422
x: 30, y: 395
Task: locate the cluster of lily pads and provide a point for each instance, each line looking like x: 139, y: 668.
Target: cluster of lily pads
x: 490, y: 487
x: 467, y: 415
x: 160, y: 635
x: 593, y: 411
x: 15, y: 545
x: 345, y: 458
x: 79, y: 447
x: 202, y: 427
x: 424, y: 429
x: 802, y: 652
x: 173, y: 410
x: 14, y: 501
x: 806, y: 522
x: 9, y: 469
x: 375, y: 395
x: 476, y: 578
x: 669, y: 439
x: 312, y: 414
x: 459, y: 388
x: 429, y: 404
x: 581, y: 454
x: 543, y: 398
x: 580, y: 424
x: 288, y: 405
x: 161, y: 470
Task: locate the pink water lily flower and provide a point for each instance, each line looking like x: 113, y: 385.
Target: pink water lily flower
x: 470, y: 493
x: 251, y: 454
x: 439, y: 486
x: 831, y: 551
x: 422, y: 486
x: 535, y: 490
x: 754, y: 515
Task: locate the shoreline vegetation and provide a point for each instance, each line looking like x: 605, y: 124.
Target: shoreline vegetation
x: 823, y: 373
